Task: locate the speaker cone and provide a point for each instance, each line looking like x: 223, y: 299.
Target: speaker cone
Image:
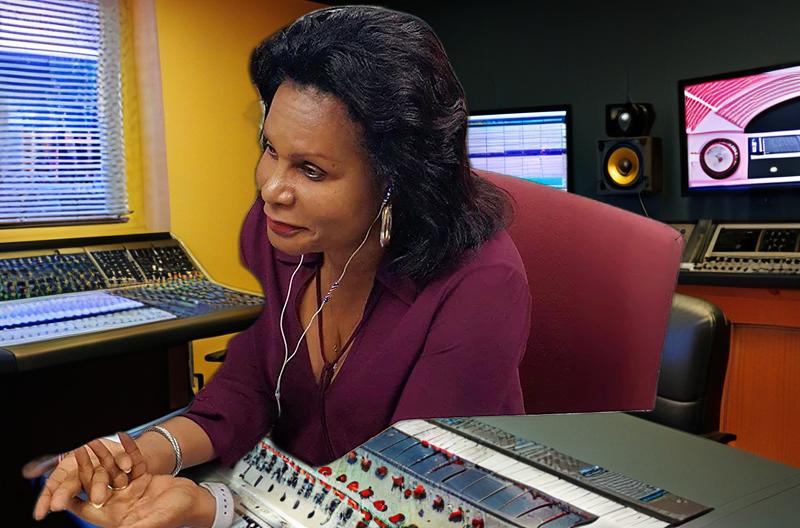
x: 623, y: 166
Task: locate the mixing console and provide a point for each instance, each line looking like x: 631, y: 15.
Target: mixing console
x: 32, y: 320
x: 443, y: 473
x: 48, y: 294
x: 764, y: 253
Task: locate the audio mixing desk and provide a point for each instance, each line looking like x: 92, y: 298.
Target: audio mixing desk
x: 602, y: 470
x: 67, y: 301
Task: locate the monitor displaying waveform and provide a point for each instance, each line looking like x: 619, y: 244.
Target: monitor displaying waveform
x: 532, y: 144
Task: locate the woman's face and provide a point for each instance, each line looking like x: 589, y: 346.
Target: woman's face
x: 314, y: 174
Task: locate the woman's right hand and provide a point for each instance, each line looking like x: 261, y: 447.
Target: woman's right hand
x: 64, y: 482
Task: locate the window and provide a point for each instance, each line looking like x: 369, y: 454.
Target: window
x: 61, y: 134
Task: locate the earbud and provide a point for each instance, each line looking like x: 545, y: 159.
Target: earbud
x: 387, y: 194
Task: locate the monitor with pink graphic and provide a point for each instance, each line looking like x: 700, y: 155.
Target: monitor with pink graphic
x: 742, y: 130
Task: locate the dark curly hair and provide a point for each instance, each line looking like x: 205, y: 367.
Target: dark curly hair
x: 391, y: 72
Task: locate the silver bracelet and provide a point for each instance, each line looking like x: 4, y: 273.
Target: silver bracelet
x: 223, y: 517
x: 175, y: 446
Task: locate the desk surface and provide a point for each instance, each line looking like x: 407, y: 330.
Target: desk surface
x: 745, y: 490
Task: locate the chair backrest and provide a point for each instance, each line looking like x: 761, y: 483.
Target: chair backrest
x: 693, y: 366
x: 602, y: 281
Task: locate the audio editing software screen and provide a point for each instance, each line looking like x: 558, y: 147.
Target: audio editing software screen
x: 742, y: 131
x: 530, y: 145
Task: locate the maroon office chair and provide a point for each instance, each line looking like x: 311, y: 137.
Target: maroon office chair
x: 602, y: 281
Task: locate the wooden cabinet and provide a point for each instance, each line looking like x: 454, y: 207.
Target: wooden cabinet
x: 761, y: 398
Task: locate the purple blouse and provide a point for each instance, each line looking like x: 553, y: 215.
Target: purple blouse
x: 451, y: 349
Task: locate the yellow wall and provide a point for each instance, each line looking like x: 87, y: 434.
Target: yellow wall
x: 211, y: 120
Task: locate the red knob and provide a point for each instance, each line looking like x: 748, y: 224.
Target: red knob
x: 366, y: 463
x: 352, y: 457
x: 380, y: 505
x: 361, y: 524
x: 456, y: 515
x: 381, y: 471
x: 438, y: 503
x: 397, y: 482
x: 398, y: 518
x: 477, y: 522
x: 407, y: 493
x: 419, y: 492
x: 367, y: 493
x: 325, y: 470
x: 353, y: 486
x: 342, y: 478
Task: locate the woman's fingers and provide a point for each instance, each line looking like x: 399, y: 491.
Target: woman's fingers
x: 39, y: 466
x: 138, y: 464
x: 116, y: 476
x: 93, y: 479
x: 61, y: 496
x: 45, y: 497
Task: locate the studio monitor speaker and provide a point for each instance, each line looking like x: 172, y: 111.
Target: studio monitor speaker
x: 629, y: 165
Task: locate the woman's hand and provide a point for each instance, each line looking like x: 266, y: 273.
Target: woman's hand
x: 147, y: 501
x: 64, y: 483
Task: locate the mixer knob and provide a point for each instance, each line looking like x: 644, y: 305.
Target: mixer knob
x: 366, y: 463
x: 380, y: 505
x: 345, y: 515
x: 361, y: 524
x: 438, y: 503
x: 353, y: 486
x: 407, y: 493
x: 397, y: 518
x: 342, y: 478
x: 367, y: 493
x: 477, y: 522
x: 397, y: 482
x: 352, y: 457
x: 419, y: 492
x: 381, y: 471
x: 456, y: 515
x: 325, y: 470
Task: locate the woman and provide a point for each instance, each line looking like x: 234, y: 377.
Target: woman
x: 392, y: 290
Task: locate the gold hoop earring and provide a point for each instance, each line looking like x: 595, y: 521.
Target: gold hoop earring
x: 386, y: 225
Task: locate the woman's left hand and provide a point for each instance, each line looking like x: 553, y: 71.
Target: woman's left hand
x: 148, y: 501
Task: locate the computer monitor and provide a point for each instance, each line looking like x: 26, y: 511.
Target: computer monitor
x: 529, y: 143
x: 741, y: 131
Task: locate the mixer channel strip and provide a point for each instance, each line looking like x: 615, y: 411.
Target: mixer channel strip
x: 576, y: 477
x: 31, y: 320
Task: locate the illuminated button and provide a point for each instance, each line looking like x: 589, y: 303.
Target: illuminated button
x: 419, y: 492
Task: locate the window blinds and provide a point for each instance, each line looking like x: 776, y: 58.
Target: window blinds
x: 61, y: 144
